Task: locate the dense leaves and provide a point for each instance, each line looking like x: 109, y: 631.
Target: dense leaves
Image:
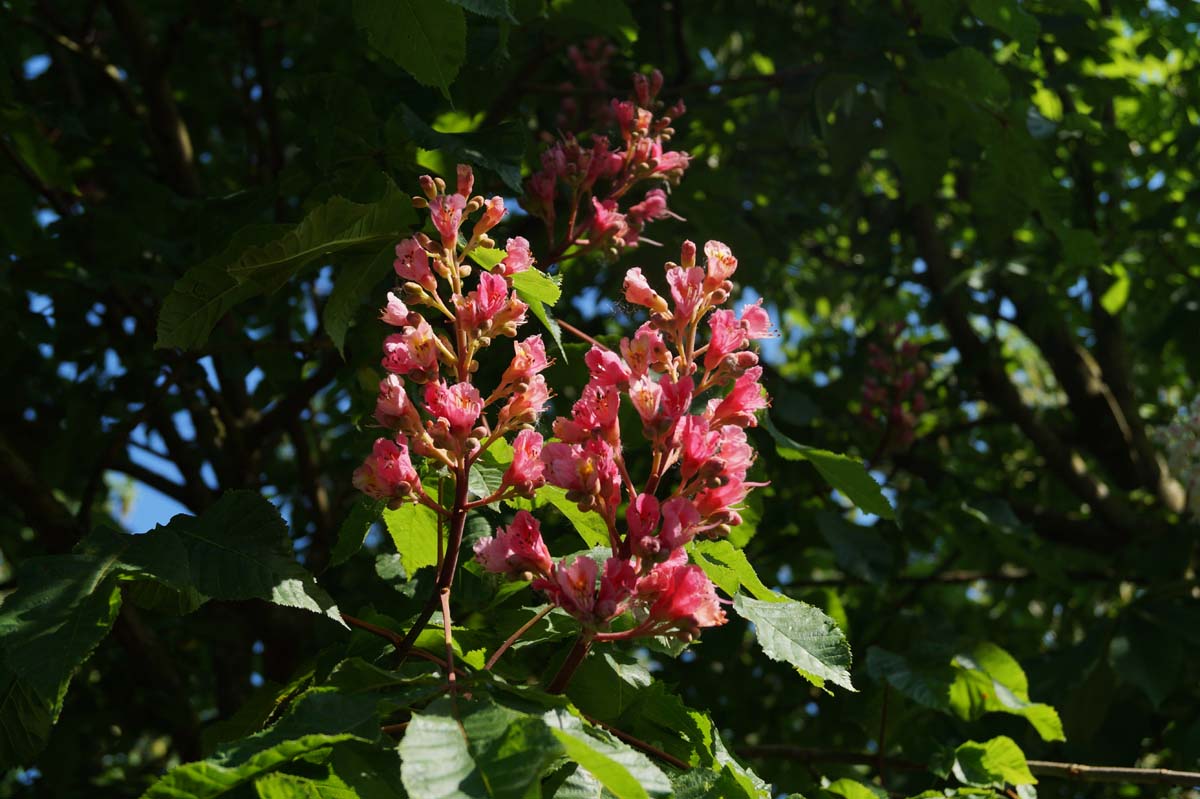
x: 200, y: 208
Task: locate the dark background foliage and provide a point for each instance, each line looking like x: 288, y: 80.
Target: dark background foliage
x: 1012, y: 181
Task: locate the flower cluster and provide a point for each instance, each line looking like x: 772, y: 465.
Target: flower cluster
x: 428, y: 400
x: 1180, y: 442
x: 694, y: 398
x: 596, y: 179
x: 583, y: 104
x: 892, y: 395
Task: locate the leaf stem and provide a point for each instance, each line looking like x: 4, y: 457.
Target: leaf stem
x: 512, y: 639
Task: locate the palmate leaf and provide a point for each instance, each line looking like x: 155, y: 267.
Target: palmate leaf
x: 352, y: 283
x: 801, y: 635
x: 729, y: 569
x: 364, y: 513
x: 414, y: 531
x: 499, y: 149
x: 66, y: 604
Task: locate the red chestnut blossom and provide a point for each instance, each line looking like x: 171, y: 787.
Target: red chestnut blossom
x: 892, y: 397
x: 524, y: 474
x: 413, y: 352
x: 459, y: 405
x: 388, y: 473
x: 607, y: 368
x: 516, y: 259
x: 412, y: 264
x: 639, y: 292
x: 395, y: 312
x: 447, y: 212
x: 517, y: 550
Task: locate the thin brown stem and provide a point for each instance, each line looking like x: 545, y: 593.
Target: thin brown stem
x: 574, y: 659
x: 444, y: 595
x: 638, y: 743
x: 574, y: 331
x: 512, y: 639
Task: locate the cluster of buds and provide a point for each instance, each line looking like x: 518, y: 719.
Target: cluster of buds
x: 428, y: 401
x: 1180, y: 442
x: 694, y: 397
x: 596, y: 180
x: 583, y: 104
x: 892, y: 395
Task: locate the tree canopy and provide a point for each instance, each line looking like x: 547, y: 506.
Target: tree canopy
x: 971, y: 571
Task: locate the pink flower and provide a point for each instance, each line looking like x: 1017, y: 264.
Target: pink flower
x: 396, y: 312
x: 413, y: 352
x: 739, y: 405
x: 727, y: 337
x: 642, y: 516
x: 597, y: 407
x: 606, y: 367
x: 584, y: 470
x: 484, y: 303
x: 510, y: 317
x: 517, y: 550
x: 638, y: 292
x: 525, y: 471
x: 459, y: 404
x: 466, y: 181
x: 446, y: 211
x: 654, y: 206
x: 757, y: 322
x: 687, y: 291
x: 608, y: 224
x: 718, y: 505
x: 412, y: 265
x: 699, y: 445
x: 525, y: 405
x: 646, y: 396
x: 493, y: 212
x: 679, y: 520
x: 574, y: 588
x: 677, y: 397
x: 736, y: 454
x: 645, y: 351
x: 517, y: 257
x: 720, y: 265
x: 393, y: 407
x: 529, y: 358
x: 617, y: 583
x: 388, y: 472
x: 690, y: 602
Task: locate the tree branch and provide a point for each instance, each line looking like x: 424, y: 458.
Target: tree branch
x: 1061, y: 459
x: 1043, y: 768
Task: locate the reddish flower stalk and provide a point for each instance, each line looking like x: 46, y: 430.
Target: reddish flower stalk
x: 892, y: 395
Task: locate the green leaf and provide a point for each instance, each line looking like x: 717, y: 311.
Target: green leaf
x: 1009, y: 18
x: 861, y: 551
x: 535, y: 285
x: 487, y: 257
x: 610, y: 17
x: 927, y: 684
x: 1116, y: 295
x: 333, y: 226
x: 206, y: 292
x: 609, y: 760
x: 498, y: 149
x: 969, y: 76
x: 319, y: 719
x: 352, y: 283
x: 799, y: 634
x: 427, y: 38
x: 493, y: 752
x: 484, y: 480
x: 988, y: 680
x: 414, y: 531
x: 846, y: 474
x: 496, y: 9
x: 728, y: 568
x: 992, y: 763
x: 850, y: 789
x: 237, y: 549
x: 48, y: 628
x: 363, y: 513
